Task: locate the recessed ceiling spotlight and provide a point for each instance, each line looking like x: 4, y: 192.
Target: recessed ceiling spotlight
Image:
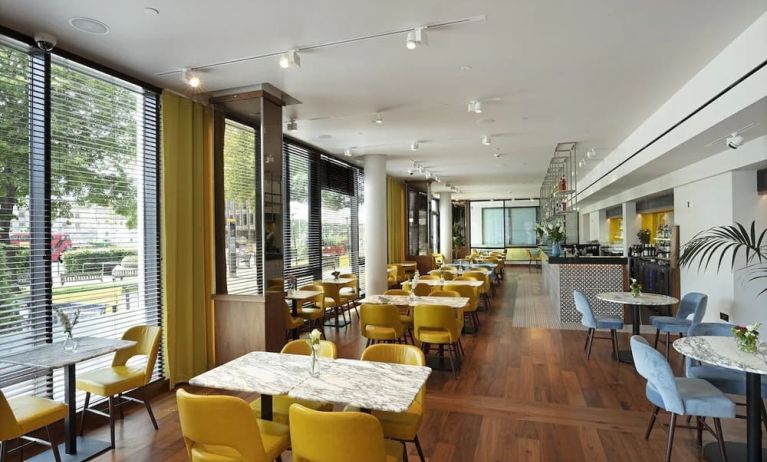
x: 475, y: 107
x: 292, y: 125
x: 149, y: 11
x: 290, y: 58
x: 497, y: 155
x: 348, y: 152
x: 414, y: 38
x: 378, y: 119
x: 590, y: 153
x: 89, y: 25
x: 580, y: 163
x: 324, y: 137
x: 414, y: 146
x: 487, y: 140
x: 190, y: 77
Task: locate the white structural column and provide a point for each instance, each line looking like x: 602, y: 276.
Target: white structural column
x: 375, y: 224
x: 446, y: 225
x: 632, y: 223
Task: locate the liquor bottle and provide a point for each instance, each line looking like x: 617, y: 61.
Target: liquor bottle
x: 563, y: 183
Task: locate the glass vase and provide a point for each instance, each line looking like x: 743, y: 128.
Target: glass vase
x: 556, y: 249
x: 70, y: 344
x: 636, y: 292
x: 315, y: 363
x: 748, y: 344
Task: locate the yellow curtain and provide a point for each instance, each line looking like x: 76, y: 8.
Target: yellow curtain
x: 187, y: 236
x: 396, y: 210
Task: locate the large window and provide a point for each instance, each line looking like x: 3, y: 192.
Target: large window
x: 417, y: 223
x: 242, y: 232
x: 498, y: 224
x: 79, y: 217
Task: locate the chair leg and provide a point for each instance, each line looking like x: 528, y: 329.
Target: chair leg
x: 668, y: 344
x: 699, y: 431
x: 404, y: 451
x: 657, y: 337
x: 591, y: 342
x: 4, y: 451
x: 614, y: 337
x: 54, y: 446
x: 720, y: 439
x: 764, y: 413
x: 112, y: 421
x: 588, y: 335
x: 120, y: 402
x: 85, y: 412
x: 451, y: 353
x: 418, y: 447
x: 148, y: 407
x: 671, y: 428
x: 653, y: 416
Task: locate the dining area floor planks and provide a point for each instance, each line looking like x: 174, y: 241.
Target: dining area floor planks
x: 522, y: 394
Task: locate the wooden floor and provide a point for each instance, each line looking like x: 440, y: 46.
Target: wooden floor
x: 523, y: 394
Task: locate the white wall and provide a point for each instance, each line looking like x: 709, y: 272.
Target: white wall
x: 632, y: 223
x: 699, y: 206
x: 747, y: 207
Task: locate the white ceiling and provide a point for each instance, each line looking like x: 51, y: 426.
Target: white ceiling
x: 588, y: 71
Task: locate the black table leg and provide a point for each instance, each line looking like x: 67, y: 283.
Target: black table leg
x: 754, y: 414
x: 70, y: 421
x: 266, y: 407
x: 635, y: 319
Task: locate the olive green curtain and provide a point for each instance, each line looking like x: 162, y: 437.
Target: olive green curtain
x: 187, y: 237
x: 396, y: 230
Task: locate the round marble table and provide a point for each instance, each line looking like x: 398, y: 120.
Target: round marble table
x: 724, y: 352
x: 644, y: 299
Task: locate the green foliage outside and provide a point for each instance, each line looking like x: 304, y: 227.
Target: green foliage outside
x: 85, y: 260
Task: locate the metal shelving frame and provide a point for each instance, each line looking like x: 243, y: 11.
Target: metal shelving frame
x: 556, y: 204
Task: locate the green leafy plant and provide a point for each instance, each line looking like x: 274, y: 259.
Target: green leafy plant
x: 83, y: 260
x: 644, y: 236
x: 734, y: 239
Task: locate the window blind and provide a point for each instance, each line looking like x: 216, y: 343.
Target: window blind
x: 82, y: 232
x: 243, y: 233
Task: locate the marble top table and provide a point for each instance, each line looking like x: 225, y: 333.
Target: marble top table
x: 724, y: 352
x: 644, y: 299
x: 377, y: 386
x: 405, y: 300
x: 439, y: 282
x: 53, y: 356
x: 339, y: 281
x: 364, y: 384
x: 298, y: 296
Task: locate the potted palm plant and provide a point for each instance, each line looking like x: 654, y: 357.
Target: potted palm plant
x: 734, y: 239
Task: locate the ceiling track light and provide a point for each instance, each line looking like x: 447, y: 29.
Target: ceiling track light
x: 348, y: 152
x: 414, y: 146
x: 290, y: 58
x: 190, y: 77
x: 415, y: 38
x: 591, y: 153
x: 487, y: 140
x: 292, y: 125
x: 475, y: 106
x: 497, y: 155
x: 378, y: 119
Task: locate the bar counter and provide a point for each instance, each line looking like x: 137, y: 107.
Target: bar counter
x: 590, y: 275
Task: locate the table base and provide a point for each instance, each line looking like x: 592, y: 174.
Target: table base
x: 625, y: 356
x: 87, y: 448
x: 736, y: 452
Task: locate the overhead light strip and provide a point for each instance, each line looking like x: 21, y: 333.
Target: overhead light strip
x: 436, y: 25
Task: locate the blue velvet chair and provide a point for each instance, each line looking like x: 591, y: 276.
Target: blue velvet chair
x: 679, y: 396
x: 594, y: 322
x: 693, y: 304
x: 728, y: 381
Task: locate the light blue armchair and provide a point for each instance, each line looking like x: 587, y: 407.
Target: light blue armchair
x: 594, y: 322
x: 693, y: 304
x: 679, y: 396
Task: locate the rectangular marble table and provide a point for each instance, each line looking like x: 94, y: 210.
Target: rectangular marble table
x: 438, y: 282
x: 53, y: 356
x: 405, y: 300
x: 365, y: 384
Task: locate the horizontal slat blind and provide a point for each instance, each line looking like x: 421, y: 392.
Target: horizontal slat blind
x: 360, y: 226
x: 302, y: 214
x: 243, y: 235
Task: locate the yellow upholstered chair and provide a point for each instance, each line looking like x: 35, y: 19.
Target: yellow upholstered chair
x: 437, y: 325
x: 470, y: 309
x: 457, y: 311
x: 220, y: 428
x: 313, y: 314
x: 293, y: 324
x: 350, y: 292
x: 405, y: 313
x: 391, y: 276
x: 380, y: 323
x: 339, y: 437
x: 25, y: 414
x: 281, y: 403
x: 420, y: 290
x: 446, y: 275
x: 113, y: 382
x: 427, y: 277
x: 533, y: 258
x: 437, y: 260
x: 484, y: 290
x: 402, y: 426
x: 331, y: 299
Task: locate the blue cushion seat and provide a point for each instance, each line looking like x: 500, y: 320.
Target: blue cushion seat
x: 671, y: 324
x: 727, y: 380
x: 609, y: 322
x: 700, y: 398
